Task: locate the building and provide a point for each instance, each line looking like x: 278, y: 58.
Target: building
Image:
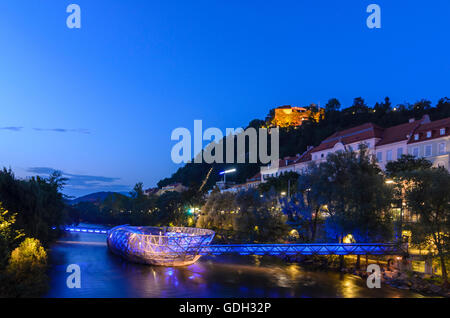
x: 286, y: 164
x: 251, y: 183
x: 298, y: 163
x: 287, y: 116
x: 349, y: 139
x: 421, y: 138
x: 395, y: 139
x: 174, y: 187
x: 151, y: 191
x: 431, y: 140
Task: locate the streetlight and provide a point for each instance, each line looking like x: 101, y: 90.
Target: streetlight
x: 225, y: 174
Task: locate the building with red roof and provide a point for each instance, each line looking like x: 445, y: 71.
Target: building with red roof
x: 431, y: 140
x: 421, y: 138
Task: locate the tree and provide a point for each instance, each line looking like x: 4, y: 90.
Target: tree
x: 443, y: 107
x: 399, y: 171
x: 429, y: 198
x: 27, y: 269
x: 259, y: 218
x: 422, y: 105
x: 304, y: 208
x: 382, y: 108
x: 357, y: 197
x: 244, y: 217
x: 405, y: 164
x: 171, y: 210
x: 286, y: 182
x: 9, y: 237
x: 332, y: 105
x: 37, y: 201
x: 359, y: 105
x: 257, y: 123
x: 216, y: 213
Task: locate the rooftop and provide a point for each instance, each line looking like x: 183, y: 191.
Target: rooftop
x: 351, y: 135
x: 434, y: 127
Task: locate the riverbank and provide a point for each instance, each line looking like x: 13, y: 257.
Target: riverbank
x: 430, y: 285
x: 427, y: 285
x: 103, y: 274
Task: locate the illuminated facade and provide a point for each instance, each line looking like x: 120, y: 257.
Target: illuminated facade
x: 420, y: 138
x: 287, y: 116
x: 119, y: 236
x: 164, y: 246
x: 432, y: 142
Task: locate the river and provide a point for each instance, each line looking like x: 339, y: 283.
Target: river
x: 104, y: 274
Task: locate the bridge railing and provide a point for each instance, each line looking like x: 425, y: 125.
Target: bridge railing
x: 286, y: 249
x: 85, y: 230
x: 305, y: 249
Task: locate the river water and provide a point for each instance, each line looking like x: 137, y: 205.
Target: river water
x: 104, y: 274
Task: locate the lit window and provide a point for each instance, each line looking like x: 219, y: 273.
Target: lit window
x: 389, y: 155
x: 379, y: 156
x: 415, y: 152
x: 428, y: 150
x: 416, y: 137
x: 442, y: 131
x: 442, y: 148
x: 428, y: 134
x: 399, y: 152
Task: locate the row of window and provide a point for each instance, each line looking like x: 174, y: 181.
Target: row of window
x: 429, y: 134
x: 428, y: 151
x: 389, y: 155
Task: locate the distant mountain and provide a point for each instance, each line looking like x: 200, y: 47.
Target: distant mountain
x: 94, y: 197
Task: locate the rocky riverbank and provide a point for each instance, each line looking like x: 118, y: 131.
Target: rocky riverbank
x: 430, y: 285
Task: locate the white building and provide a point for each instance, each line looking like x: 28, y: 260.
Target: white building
x: 421, y: 138
x: 431, y: 140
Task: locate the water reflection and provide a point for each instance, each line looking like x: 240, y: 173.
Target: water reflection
x: 105, y: 275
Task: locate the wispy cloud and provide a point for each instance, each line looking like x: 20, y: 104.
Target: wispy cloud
x: 64, y: 130
x: 12, y: 128
x: 89, y: 183
x: 58, y: 130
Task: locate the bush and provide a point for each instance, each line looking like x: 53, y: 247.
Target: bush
x: 26, y: 271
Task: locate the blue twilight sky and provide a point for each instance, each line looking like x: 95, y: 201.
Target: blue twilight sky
x: 100, y: 103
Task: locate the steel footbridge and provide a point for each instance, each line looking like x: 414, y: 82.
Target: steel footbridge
x: 283, y: 249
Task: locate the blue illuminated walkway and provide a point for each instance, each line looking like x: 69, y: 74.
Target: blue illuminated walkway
x: 305, y: 249
x: 286, y: 249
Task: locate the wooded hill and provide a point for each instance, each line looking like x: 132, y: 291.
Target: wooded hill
x: 295, y: 140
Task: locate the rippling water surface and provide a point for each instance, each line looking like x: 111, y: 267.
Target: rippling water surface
x: 105, y: 275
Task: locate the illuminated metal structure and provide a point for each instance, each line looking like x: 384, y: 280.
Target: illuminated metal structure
x: 76, y: 229
x: 165, y: 246
x: 178, y: 246
x: 306, y: 249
